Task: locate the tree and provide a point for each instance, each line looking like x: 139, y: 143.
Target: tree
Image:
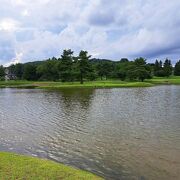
x: 139, y: 70
x: 124, y: 60
x: 140, y: 61
x: 2, y: 73
x: 15, y: 71
x: 100, y: 70
x: 11, y: 72
x: 121, y: 75
x: 177, y: 69
x: 30, y: 72
x: 156, y: 66
x: 65, y: 66
x: 11, y: 69
x: 138, y: 73
x: 48, y: 70
x: 18, y: 70
x: 167, y: 68
x: 160, y: 73
x: 158, y: 69
x: 104, y: 68
x: 84, y: 65
x: 142, y: 74
x: 121, y: 69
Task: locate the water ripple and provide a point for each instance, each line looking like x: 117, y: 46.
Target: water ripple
x: 115, y: 133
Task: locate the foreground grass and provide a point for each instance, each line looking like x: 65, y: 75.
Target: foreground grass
x: 13, y: 166
x: 95, y: 84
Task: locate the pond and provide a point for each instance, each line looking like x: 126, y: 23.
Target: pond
x: 126, y: 133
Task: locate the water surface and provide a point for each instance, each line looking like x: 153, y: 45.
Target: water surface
x: 126, y: 133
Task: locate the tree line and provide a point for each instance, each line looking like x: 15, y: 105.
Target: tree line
x: 70, y: 68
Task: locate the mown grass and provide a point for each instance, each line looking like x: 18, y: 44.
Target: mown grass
x: 13, y: 166
x: 170, y: 80
x: 95, y: 84
x: 13, y: 83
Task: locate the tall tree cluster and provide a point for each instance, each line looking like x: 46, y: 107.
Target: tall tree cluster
x: 69, y: 68
x: 139, y: 70
x: 163, y: 70
x: 177, y: 69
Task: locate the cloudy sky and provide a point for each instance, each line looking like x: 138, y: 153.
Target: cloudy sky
x: 39, y: 29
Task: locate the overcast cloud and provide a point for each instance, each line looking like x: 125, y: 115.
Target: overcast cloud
x: 36, y: 30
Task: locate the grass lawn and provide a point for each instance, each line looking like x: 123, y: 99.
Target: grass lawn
x: 95, y: 84
x: 171, y: 80
x: 13, y: 166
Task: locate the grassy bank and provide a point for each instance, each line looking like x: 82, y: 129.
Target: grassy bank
x: 95, y: 84
x: 13, y: 166
x: 171, y: 80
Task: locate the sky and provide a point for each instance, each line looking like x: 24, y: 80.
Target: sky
x: 113, y: 29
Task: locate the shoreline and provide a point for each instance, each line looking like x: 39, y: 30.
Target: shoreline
x: 93, y: 84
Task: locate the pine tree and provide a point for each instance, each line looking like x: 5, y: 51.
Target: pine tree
x: 84, y: 65
x: 156, y: 67
x: 158, y: 70
x: 2, y: 73
x: 177, y: 69
x: 167, y: 68
x: 65, y: 66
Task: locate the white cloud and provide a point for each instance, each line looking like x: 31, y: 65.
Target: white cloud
x: 107, y: 29
x: 17, y: 59
x: 8, y: 24
x: 25, y: 13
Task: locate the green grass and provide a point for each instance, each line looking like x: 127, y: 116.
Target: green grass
x: 95, y: 84
x: 171, y: 80
x: 13, y: 166
x: 15, y: 83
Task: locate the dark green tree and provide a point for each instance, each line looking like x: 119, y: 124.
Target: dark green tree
x: 139, y: 73
x: 2, y: 73
x: 162, y: 71
x: 139, y: 70
x: 18, y: 70
x: 131, y: 74
x: 142, y: 74
x: 158, y: 69
x: 65, y: 66
x: 167, y: 68
x: 100, y: 70
x: 84, y: 65
x: 177, y: 69
x: 121, y: 75
x: 11, y: 68
x: 140, y: 62
x: 121, y: 69
x: 104, y: 69
x: 48, y: 70
x: 30, y: 72
x: 124, y: 60
x: 156, y: 66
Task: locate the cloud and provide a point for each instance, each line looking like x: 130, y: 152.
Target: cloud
x: 34, y: 30
x: 8, y: 24
x: 101, y: 19
x: 7, y: 46
x: 15, y: 60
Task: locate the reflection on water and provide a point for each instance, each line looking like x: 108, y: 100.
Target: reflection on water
x: 116, y: 133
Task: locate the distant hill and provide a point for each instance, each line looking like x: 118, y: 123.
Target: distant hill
x: 93, y: 60
x: 35, y: 62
